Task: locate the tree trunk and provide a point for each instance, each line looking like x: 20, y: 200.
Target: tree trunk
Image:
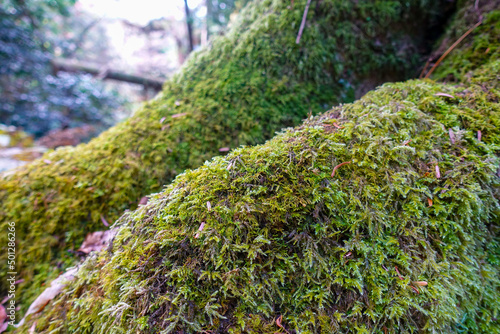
x: 189, y: 23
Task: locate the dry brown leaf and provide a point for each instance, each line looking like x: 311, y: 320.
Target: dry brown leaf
x: 144, y: 200
x: 96, y: 241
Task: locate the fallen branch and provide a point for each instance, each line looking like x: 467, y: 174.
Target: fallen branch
x: 67, y: 66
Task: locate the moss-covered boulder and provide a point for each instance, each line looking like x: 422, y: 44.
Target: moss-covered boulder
x: 379, y: 216
x: 240, y: 90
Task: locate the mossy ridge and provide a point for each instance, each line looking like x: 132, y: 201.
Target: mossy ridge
x: 478, y: 48
x: 284, y: 239
x: 246, y: 86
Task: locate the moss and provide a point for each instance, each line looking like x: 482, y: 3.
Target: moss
x: 478, y: 48
x: 240, y: 90
x: 268, y: 237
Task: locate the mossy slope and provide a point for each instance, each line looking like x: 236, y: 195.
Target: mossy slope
x: 242, y: 89
x: 267, y: 237
x: 482, y: 46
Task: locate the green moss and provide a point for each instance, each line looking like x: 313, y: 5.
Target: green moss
x: 240, y: 90
x: 284, y: 239
x: 478, y: 48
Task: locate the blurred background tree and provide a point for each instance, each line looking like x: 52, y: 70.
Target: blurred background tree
x: 38, y: 97
x: 218, y: 13
x: 31, y: 95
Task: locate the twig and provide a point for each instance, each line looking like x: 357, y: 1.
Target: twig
x: 303, y: 24
x: 451, y: 48
x: 339, y: 165
x: 399, y: 275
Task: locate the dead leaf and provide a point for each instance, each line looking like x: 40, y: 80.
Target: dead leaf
x: 209, y: 206
x: 429, y: 201
x: 479, y: 135
x: 144, y: 200
x: 444, y: 94
x: 96, y: 241
x: 421, y: 283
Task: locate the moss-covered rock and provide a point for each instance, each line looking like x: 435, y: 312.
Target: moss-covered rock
x: 243, y: 88
x: 377, y: 216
